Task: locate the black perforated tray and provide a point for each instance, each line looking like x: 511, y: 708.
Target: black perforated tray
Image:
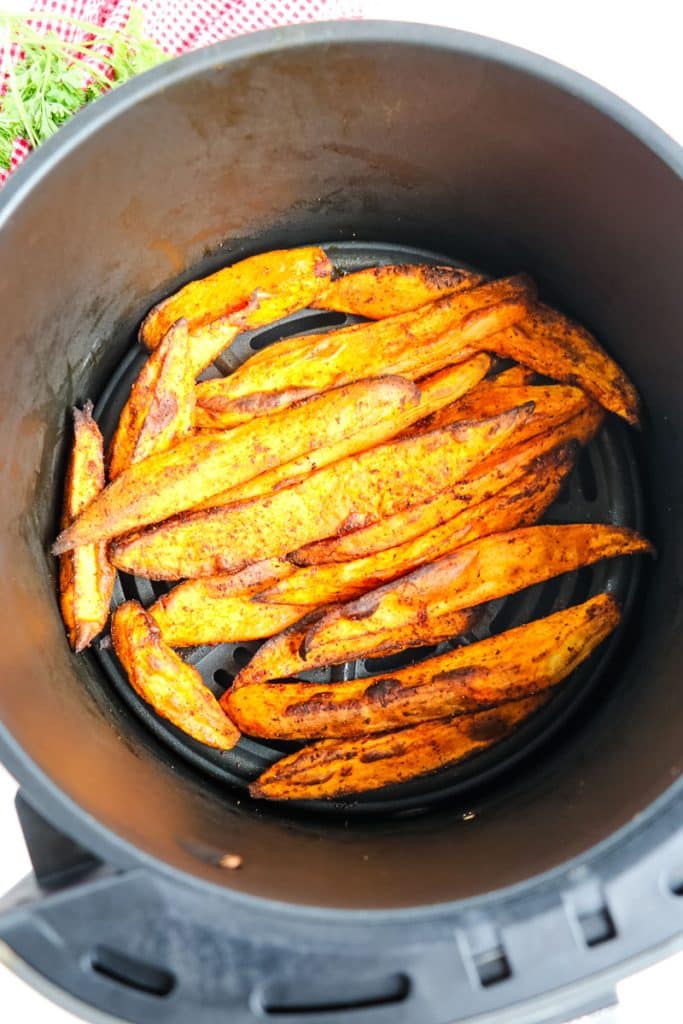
x: 604, y: 487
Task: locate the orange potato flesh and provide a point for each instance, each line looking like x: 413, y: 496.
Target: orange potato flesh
x: 336, y: 768
x: 281, y: 656
x: 198, y: 467
x: 219, y: 609
x: 379, y: 292
x: 435, y: 391
x: 354, y: 491
x: 86, y: 577
x: 160, y: 408
x: 521, y: 503
x: 516, y: 664
x: 174, y: 689
x: 487, y: 478
x: 483, y: 570
x: 411, y: 345
x: 556, y: 347
x: 515, y: 377
x: 249, y: 294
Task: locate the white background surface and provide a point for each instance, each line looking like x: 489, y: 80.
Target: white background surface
x: 634, y: 50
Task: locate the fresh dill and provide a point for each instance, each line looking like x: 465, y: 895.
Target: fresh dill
x: 52, y: 78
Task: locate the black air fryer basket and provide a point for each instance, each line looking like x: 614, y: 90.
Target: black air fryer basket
x: 517, y: 886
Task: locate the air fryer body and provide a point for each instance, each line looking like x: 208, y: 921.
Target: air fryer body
x: 332, y: 133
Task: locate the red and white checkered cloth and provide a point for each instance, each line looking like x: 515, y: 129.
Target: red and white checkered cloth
x: 180, y: 25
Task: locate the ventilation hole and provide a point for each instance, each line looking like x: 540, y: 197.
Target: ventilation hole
x: 503, y: 617
x: 676, y: 884
x: 137, y: 974
x: 400, y: 660
x: 298, y: 326
x: 241, y: 656
x: 582, y: 587
x: 550, y: 591
x: 223, y: 678
x: 343, y: 996
x: 492, y: 966
x: 597, y: 927
x: 587, y: 481
x: 565, y: 495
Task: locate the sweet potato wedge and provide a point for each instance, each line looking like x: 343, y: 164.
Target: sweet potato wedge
x: 86, y: 576
x: 516, y: 664
x: 521, y: 503
x: 555, y: 346
x: 353, y: 491
x: 281, y: 656
x: 249, y: 294
x: 174, y: 689
x: 219, y: 609
x: 337, y: 768
x: 435, y: 391
x: 160, y: 408
x: 553, y: 404
x: 487, y: 478
x: 483, y: 570
x: 378, y: 292
x: 412, y: 344
x: 198, y: 467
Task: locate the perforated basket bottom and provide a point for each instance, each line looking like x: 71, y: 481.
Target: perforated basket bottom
x: 604, y: 487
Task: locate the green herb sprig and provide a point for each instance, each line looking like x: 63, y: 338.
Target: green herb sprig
x: 54, y: 78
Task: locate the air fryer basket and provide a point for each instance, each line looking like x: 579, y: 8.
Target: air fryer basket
x: 466, y: 894
x: 604, y: 487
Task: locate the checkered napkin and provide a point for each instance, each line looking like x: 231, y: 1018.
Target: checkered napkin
x: 178, y: 25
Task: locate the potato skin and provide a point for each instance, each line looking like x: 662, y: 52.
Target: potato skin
x: 557, y: 347
x: 160, y: 408
x: 516, y: 664
x: 336, y: 768
x: 86, y: 576
x: 379, y: 292
x: 521, y: 503
x: 249, y: 294
x: 173, y: 688
x: 282, y: 656
x: 198, y: 466
x: 412, y: 345
x: 348, y: 493
x: 483, y: 570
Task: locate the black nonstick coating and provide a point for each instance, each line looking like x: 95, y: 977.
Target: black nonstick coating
x: 604, y: 487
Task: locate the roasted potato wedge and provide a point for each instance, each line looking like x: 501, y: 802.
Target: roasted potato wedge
x: 249, y: 294
x: 521, y: 503
x: 483, y: 570
x: 515, y: 376
x: 281, y: 656
x: 86, y: 576
x: 487, y: 478
x: 219, y: 609
x: 174, y: 689
x: 160, y: 409
x: 435, y: 391
x: 412, y: 344
x: 555, y: 346
x: 516, y: 664
x: 351, y: 492
x: 337, y: 768
x: 553, y: 404
x: 379, y: 292
x: 200, y: 466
